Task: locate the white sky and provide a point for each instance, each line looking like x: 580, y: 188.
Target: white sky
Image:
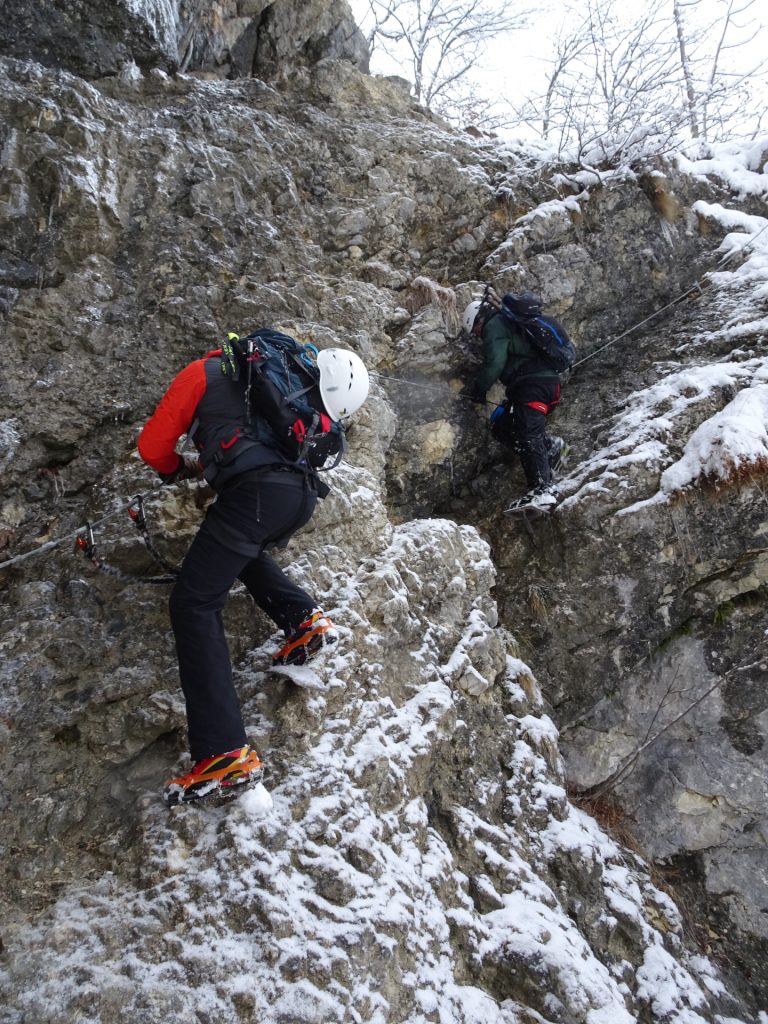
x: 515, y: 65
x: 516, y: 59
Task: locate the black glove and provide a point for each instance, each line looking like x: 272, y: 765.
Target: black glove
x: 473, y: 393
x: 189, y: 468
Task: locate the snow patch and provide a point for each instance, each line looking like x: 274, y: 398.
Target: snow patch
x: 257, y: 802
x: 726, y: 446
x: 10, y: 439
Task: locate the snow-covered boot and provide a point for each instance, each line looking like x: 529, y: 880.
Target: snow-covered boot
x: 540, y: 500
x: 221, y: 773
x: 557, y: 453
x: 307, y: 641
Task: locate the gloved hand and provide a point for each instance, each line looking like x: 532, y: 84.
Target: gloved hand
x: 473, y: 393
x: 498, y: 412
x: 189, y: 468
x: 299, y: 427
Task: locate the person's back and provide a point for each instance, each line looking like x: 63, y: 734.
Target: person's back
x: 533, y: 390
x: 509, y: 356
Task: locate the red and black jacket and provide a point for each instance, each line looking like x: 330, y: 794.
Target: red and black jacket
x: 203, y: 400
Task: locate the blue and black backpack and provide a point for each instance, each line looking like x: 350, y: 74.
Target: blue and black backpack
x: 545, y: 334
x: 283, y: 407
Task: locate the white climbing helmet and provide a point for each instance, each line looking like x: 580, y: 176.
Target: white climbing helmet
x: 344, y: 381
x: 470, y: 314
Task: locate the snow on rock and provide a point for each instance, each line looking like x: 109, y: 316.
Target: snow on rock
x: 690, y: 405
x: 10, y: 439
x: 646, y: 433
x: 403, y: 872
x: 257, y: 802
x: 735, y: 163
x: 729, y: 445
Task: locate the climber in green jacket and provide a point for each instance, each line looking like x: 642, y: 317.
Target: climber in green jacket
x: 532, y: 389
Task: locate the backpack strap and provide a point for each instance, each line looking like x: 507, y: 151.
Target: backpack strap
x: 339, y: 456
x: 297, y: 394
x: 306, y: 369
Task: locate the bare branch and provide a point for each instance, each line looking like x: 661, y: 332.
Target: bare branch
x: 627, y: 764
x: 442, y: 40
x: 622, y: 84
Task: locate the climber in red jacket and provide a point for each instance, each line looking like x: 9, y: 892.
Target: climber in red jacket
x: 267, y: 488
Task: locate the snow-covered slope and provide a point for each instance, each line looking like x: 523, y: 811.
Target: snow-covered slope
x: 421, y: 861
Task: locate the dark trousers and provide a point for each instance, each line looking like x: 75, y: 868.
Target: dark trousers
x: 532, y: 401
x: 251, y: 514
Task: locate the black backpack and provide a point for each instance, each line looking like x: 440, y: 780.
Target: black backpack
x: 282, y: 396
x: 545, y: 334
x: 551, y: 341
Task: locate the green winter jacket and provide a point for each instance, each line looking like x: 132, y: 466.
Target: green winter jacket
x: 506, y: 351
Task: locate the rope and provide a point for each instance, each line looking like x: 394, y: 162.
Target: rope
x: 88, y: 527
x: 427, y: 387
x: 411, y: 383
x: 696, y: 286
x: 51, y: 544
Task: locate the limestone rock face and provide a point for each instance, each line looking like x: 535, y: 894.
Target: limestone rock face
x: 226, y: 38
x: 421, y: 852
x: 423, y: 859
x: 644, y: 597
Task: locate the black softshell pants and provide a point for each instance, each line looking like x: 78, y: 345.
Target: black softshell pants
x: 532, y: 401
x: 252, y: 513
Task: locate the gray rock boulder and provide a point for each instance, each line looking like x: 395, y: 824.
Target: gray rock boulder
x: 221, y: 38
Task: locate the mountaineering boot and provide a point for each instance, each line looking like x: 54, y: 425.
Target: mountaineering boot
x: 539, y: 500
x: 308, y: 640
x: 220, y: 773
x: 557, y: 453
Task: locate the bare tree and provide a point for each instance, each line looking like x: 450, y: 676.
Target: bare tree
x: 622, y: 83
x: 608, y: 90
x: 690, y: 89
x: 441, y: 40
x: 713, y: 92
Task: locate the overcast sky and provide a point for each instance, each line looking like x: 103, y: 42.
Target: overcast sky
x: 515, y: 64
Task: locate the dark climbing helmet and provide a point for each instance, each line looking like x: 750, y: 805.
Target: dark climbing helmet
x: 524, y: 306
